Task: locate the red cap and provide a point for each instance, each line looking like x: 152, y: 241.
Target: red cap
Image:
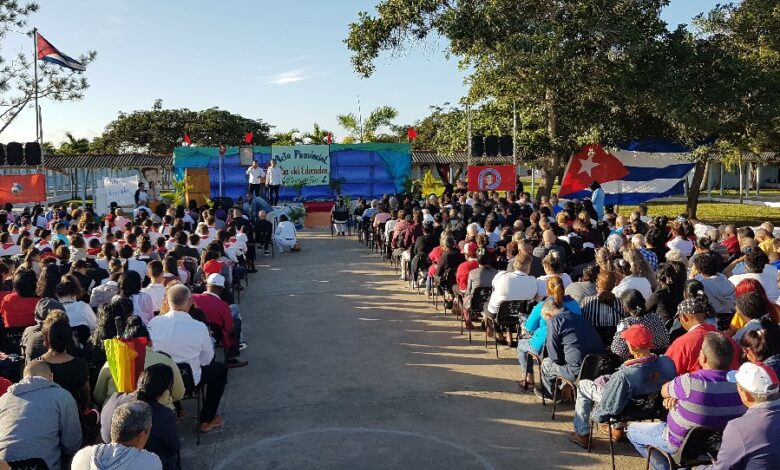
x: 47, y: 254
x: 638, y: 337
x: 213, y: 267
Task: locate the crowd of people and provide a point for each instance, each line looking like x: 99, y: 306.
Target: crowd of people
x: 679, y: 314
x: 169, y: 277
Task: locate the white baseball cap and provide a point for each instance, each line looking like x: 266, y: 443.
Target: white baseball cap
x: 216, y: 280
x: 755, y: 378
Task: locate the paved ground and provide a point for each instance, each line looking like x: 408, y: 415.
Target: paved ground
x: 350, y: 369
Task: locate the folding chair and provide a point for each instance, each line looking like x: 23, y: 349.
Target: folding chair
x: 530, y: 359
x: 28, y: 464
x: 592, y: 367
x: 510, y: 314
x: 473, y: 312
x: 700, y: 447
x: 642, y: 408
x: 216, y: 334
x: 192, y: 392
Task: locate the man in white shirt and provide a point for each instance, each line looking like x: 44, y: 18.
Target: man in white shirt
x: 285, y: 236
x: 187, y: 341
x: 758, y: 268
x: 515, y: 285
x: 256, y: 178
x: 155, y: 289
x: 274, y: 180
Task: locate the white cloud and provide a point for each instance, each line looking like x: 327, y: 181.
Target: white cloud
x: 292, y: 76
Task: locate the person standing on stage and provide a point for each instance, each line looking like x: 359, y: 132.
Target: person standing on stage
x: 256, y: 176
x: 274, y: 180
x: 597, y: 198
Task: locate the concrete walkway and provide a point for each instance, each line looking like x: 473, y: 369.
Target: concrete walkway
x: 350, y: 369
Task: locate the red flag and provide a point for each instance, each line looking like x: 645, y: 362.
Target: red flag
x: 248, y: 137
x: 187, y: 139
x: 411, y: 133
x: 22, y: 188
x: 222, y: 150
x: 492, y: 178
x: 329, y: 138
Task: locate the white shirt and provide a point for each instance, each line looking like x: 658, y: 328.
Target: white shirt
x: 80, y: 313
x: 516, y: 285
x: 275, y: 176
x: 157, y: 293
x: 286, y: 230
x: 541, y: 284
x: 184, y: 339
x: 255, y: 174
x: 682, y: 244
x: 634, y: 282
x: 138, y: 266
x: 768, y: 280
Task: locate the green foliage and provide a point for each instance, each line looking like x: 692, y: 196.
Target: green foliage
x: 381, y: 117
x: 296, y: 213
x: 73, y: 146
x: 291, y: 137
x: 17, y: 80
x: 159, y: 130
x: 318, y: 136
x: 180, y: 189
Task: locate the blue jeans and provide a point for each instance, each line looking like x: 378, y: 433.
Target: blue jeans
x: 642, y: 435
x: 550, y: 370
x: 523, y: 347
x: 588, y: 394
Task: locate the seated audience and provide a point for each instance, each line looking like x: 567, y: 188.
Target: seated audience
x: 517, y: 285
x: 637, y: 314
x: 71, y: 373
x: 18, y: 307
x: 604, y: 309
x: 763, y: 345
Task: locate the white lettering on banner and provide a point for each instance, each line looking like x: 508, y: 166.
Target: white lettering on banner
x: 303, y: 164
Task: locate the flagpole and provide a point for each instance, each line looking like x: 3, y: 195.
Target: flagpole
x: 35, y: 68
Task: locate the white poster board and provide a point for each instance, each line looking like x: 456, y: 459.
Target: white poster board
x: 119, y: 190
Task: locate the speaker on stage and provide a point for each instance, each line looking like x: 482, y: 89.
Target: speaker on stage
x: 32, y: 153
x: 491, y: 146
x: 14, y: 154
x: 506, y: 145
x: 2, y: 154
x: 477, y: 146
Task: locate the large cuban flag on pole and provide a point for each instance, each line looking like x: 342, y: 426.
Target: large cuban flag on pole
x: 49, y: 53
x: 627, y: 176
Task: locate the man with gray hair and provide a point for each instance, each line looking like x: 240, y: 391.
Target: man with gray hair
x: 639, y: 242
x: 38, y: 419
x: 131, y: 424
x: 188, y: 341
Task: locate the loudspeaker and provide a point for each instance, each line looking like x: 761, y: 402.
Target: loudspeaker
x: 506, y: 145
x: 2, y: 154
x: 32, y: 153
x: 15, y: 154
x: 491, y: 146
x: 477, y: 146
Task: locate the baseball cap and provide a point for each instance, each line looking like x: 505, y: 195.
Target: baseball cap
x: 755, y: 378
x: 470, y: 248
x: 216, y: 280
x: 638, y: 336
x: 213, y: 266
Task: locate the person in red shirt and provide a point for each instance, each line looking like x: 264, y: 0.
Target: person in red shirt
x: 18, y: 307
x: 464, y: 268
x: 684, y: 351
x: 730, y: 239
x: 218, y: 312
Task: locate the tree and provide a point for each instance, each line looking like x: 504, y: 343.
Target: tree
x: 570, y: 66
x: 291, y: 137
x: 74, y: 146
x: 159, y: 130
x: 318, y: 136
x: 381, y: 117
x: 17, y: 80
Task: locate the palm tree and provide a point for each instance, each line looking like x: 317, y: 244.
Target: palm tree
x: 318, y: 136
x: 290, y: 137
x: 380, y: 117
x: 74, y: 146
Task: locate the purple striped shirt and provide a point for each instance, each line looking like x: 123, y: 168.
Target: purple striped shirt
x: 704, y: 398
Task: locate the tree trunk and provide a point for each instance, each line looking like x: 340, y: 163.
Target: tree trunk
x: 550, y: 171
x: 695, y: 189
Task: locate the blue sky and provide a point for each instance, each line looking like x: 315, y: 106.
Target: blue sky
x: 281, y: 61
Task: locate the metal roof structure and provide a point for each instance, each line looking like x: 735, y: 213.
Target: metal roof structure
x: 434, y: 158
x: 124, y: 160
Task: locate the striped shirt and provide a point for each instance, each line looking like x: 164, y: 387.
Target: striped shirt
x: 651, y: 257
x: 601, y: 314
x: 704, y: 398
x: 652, y: 322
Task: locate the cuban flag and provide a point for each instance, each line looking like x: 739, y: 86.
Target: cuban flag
x: 49, y: 53
x: 627, y: 175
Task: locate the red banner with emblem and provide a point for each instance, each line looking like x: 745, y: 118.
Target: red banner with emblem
x: 492, y: 178
x: 22, y: 188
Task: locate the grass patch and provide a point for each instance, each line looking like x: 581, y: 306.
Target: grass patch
x: 713, y: 212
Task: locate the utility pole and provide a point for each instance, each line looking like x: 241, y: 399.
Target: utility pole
x: 514, y: 135
x: 360, y: 120
x: 468, y: 131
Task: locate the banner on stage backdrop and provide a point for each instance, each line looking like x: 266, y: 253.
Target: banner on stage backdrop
x: 303, y: 164
x: 492, y: 178
x: 22, y: 188
x: 118, y: 190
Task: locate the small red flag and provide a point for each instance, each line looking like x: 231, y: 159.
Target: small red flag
x: 187, y: 139
x: 248, y: 137
x: 222, y: 150
x: 411, y: 133
x: 329, y: 139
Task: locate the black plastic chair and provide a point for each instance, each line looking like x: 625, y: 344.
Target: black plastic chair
x: 28, y: 464
x: 473, y: 312
x: 592, y: 367
x: 643, y: 408
x: 511, y: 314
x: 700, y: 447
x: 530, y: 358
x: 216, y: 333
x: 192, y: 392
x: 11, y: 340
